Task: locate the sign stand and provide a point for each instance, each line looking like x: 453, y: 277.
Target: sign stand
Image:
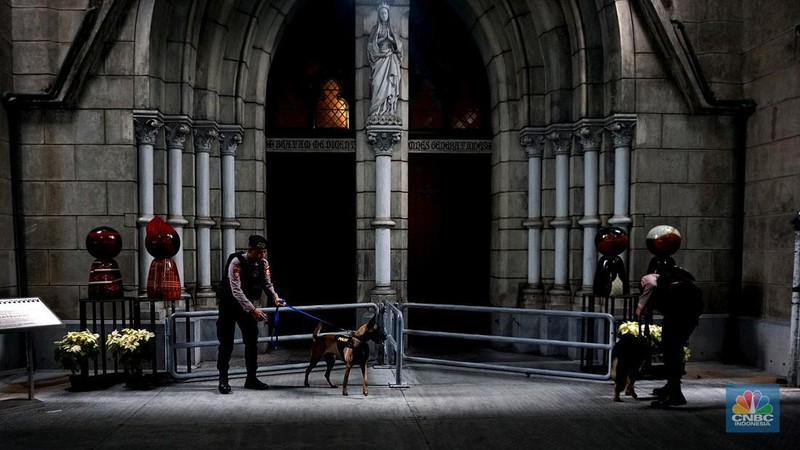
x: 24, y: 315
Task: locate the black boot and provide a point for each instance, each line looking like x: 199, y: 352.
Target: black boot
x: 672, y: 396
x: 254, y: 383
x: 224, y: 387
x: 662, y: 391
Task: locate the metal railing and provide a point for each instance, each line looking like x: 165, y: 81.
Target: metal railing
x: 172, y: 345
x: 394, y: 319
x: 607, y: 345
x: 393, y: 325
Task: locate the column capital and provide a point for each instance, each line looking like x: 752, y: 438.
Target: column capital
x: 177, y: 128
x: 383, y: 138
x: 621, y: 127
x: 205, y: 133
x: 532, y: 139
x: 230, y: 136
x: 590, y: 134
x: 561, y: 138
x: 146, y: 125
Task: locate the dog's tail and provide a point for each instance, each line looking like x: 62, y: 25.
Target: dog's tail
x: 316, y: 332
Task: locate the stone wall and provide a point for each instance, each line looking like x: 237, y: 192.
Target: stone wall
x: 715, y: 30
x: 78, y: 165
x: 682, y: 174
x: 8, y: 282
x: 771, y: 45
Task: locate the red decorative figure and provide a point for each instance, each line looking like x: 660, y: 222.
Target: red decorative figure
x: 162, y: 242
x: 105, y: 278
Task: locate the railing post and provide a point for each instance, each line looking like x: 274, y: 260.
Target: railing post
x: 794, y: 363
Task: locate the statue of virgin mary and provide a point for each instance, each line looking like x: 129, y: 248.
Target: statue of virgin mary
x: 384, y: 51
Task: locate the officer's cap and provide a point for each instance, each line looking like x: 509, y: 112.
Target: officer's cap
x: 257, y: 242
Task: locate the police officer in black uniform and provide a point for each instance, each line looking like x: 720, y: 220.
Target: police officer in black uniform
x: 674, y: 293
x: 246, y: 276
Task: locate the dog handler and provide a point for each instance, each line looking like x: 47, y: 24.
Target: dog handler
x: 246, y: 276
x: 673, y: 292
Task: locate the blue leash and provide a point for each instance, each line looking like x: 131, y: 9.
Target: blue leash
x: 274, y: 336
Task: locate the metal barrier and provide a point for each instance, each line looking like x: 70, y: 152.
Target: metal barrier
x: 393, y: 325
x: 172, y: 345
x: 506, y: 339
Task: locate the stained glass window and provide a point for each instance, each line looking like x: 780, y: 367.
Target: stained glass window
x: 332, y: 110
x: 426, y: 110
x: 448, y: 96
x: 466, y: 112
x: 311, y: 83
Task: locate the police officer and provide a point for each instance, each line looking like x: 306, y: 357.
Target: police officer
x: 246, y: 276
x: 680, y: 301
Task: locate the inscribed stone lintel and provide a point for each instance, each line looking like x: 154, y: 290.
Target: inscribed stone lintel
x: 346, y: 145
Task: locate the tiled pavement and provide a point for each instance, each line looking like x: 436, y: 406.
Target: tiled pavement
x: 442, y: 408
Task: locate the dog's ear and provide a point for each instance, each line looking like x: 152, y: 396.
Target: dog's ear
x: 372, y: 322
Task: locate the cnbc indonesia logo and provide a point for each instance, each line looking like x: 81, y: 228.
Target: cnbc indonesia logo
x: 752, y: 410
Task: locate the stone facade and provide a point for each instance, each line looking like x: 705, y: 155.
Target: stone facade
x: 725, y: 180
x: 8, y: 278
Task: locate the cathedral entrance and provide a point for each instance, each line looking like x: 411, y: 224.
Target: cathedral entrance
x: 311, y: 232
x: 449, y: 238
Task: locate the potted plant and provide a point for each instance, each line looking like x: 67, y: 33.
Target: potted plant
x: 74, y: 351
x: 655, y: 331
x: 132, y: 347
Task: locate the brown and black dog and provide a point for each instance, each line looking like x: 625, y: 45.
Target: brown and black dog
x: 352, y: 349
x: 627, y: 357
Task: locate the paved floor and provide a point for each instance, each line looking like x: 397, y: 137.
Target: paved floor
x: 442, y: 408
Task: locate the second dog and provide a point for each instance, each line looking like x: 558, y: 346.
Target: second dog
x: 627, y: 357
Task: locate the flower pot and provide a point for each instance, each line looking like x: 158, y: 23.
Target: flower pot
x: 79, y: 382
x: 136, y: 379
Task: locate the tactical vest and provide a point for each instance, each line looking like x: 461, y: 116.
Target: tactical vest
x: 251, y: 275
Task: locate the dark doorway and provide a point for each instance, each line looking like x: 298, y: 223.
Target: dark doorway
x: 449, y: 238
x: 312, y: 234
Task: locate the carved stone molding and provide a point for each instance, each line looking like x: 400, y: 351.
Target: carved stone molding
x: 176, y: 132
x: 621, y: 128
x: 230, y: 137
x: 204, y: 137
x: 146, y: 127
x: 533, y: 223
x: 561, y: 141
x: 590, y: 137
x: 229, y: 224
x: 384, y: 119
x: 533, y: 140
x: 383, y: 139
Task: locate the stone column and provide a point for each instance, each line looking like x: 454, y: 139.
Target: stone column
x: 590, y: 136
x: 533, y: 140
x: 382, y: 136
x: 205, y: 134
x: 621, y: 127
x: 177, y: 128
x: 230, y: 136
x: 560, y: 138
x: 146, y: 124
x: 385, y: 89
